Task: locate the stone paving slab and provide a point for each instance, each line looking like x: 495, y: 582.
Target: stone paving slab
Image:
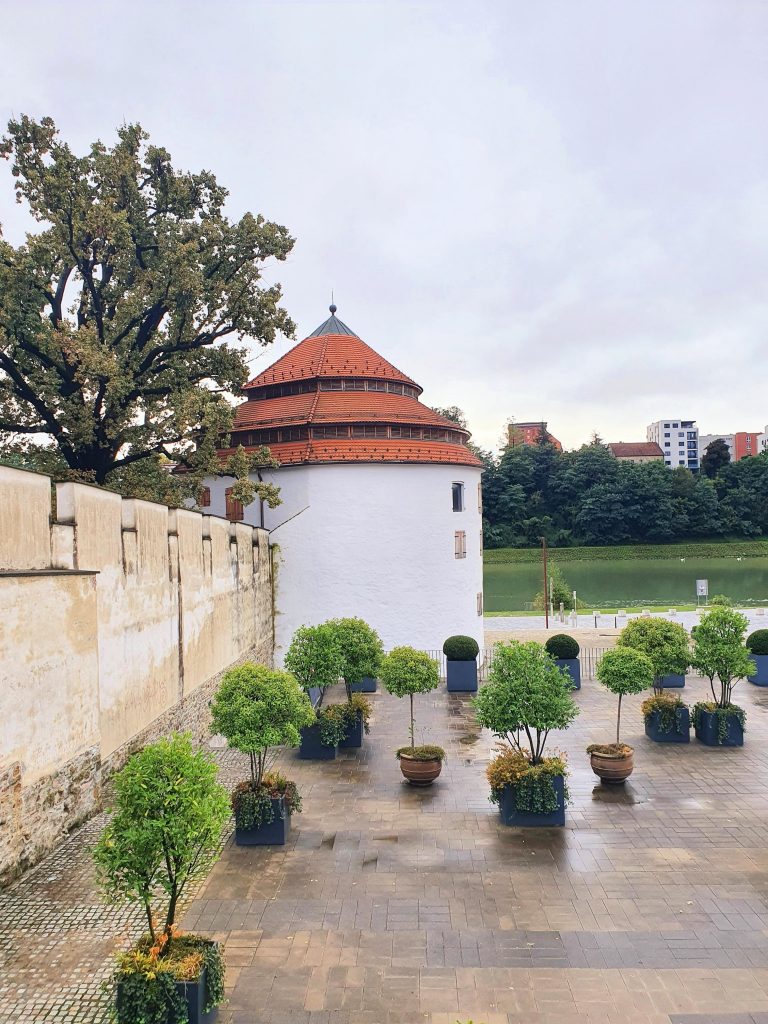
x: 392, y: 905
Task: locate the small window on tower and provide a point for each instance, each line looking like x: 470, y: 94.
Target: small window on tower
x: 479, y: 497
x: 460, y: 544
x: 458, y: 496
x: 204, y: 499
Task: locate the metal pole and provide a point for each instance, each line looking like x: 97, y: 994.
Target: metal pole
x: 546, y: 595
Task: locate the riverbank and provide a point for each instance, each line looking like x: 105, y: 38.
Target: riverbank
x: 630, y: 552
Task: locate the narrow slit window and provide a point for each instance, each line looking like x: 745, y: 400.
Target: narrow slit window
x: 457, y: 493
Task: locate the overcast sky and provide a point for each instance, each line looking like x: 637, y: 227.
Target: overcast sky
x: 553, y: 210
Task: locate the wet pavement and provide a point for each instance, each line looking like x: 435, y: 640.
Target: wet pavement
x: 393, y: 905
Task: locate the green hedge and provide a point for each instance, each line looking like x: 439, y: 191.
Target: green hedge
x: 724, y: 549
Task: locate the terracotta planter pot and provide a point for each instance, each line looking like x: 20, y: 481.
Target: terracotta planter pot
x: 420, y: 773
x: 611, y: 769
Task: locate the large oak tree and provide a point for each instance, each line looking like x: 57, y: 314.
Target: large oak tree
x: 117, y: 318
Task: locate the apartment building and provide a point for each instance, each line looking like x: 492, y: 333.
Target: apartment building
x: 678, y: 440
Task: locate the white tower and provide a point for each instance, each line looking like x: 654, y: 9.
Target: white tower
x: 382, y: 509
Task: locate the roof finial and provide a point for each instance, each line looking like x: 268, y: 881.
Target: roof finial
x: 332, y: 306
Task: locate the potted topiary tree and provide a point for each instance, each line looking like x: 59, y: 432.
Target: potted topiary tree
x: 622, y: 670
x: 757, y: 645
x: 361, y: 651
x: 164, y: 833
x: 404, y: 673
x: 667, y: 718
x: 565, y: 650
x: 526, y: 696
x: 461, y: 664
x: 719, y: 653
x: 257, y: 709
x: 667, y: 645
x: 313, y: 657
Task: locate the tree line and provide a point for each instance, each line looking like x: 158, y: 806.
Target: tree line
x: 589, y: 497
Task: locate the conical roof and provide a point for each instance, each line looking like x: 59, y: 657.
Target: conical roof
x: 332, y: 398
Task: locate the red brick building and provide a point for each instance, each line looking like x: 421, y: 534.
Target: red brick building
x: 529, y: 433
x: 745, y: 443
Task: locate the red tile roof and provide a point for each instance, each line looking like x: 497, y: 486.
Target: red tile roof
x: 330, y: 355
x: 334, y: 351
x: 338, y: 407
x: 294, y: 453
x: 636, y: 450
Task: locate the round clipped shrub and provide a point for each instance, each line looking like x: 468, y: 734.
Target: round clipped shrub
x: 461, y: 648
x: 562, y: 647
x: 757, y: 642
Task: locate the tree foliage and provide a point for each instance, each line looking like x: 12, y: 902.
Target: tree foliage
x: 716, y: 455
x: 526, y: 693
x: 165, y: 829
x: 360, y: 648
x: 624, y: 670
x: 665, y: 643
x: 313, y: 656
x: 589, y: 497
x: 115, y: 316
x: 405, y: 672
x: 256, y: 708
x: 719, y: 651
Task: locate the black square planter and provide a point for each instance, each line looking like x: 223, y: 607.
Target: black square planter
x: 573, y: 667
x: 707, y: 732
x: 760, y: 678
x: 672, y: 682
x: 273, y: 834
x: 461, y: 676
x: 354, y: 737
x: 366, y: 685
x: 312, y: 747
x: 510, y: 815
x: 193, y: 992
x: 679, y: 733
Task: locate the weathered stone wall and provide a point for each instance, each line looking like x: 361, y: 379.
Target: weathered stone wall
x: 117, y: 621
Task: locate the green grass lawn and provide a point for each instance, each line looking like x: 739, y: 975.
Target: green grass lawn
x: 696, y: 549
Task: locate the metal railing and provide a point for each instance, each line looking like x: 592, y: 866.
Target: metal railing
x: 588, y: 657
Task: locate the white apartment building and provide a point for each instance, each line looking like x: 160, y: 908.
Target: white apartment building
x: 678, y: 439
x: 762, y: 441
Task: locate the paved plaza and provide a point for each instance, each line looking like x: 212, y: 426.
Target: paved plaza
x: 392, y: 905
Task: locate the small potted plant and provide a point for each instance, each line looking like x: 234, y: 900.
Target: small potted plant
x: 526, y: 696
x: 257, y: 709
x: 622, y: 670
x: 164, y: 833
x: 313, y: 657
x: 665, y: 643
x: 461, y: 664
x: 719, y: 653
x: 406, y: 672
x: 565, y: 651
x: 757, y: 645
x: 361, y: 653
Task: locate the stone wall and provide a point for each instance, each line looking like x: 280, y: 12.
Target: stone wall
x: 117, y: 620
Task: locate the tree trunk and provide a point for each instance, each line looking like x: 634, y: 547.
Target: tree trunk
x: 412, y: 743
x: 618, y: 722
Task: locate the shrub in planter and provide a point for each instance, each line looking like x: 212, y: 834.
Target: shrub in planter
x: 622, y: 670
x: 406, y: 672
x: 667, y: 719
x: 665, y: 643
x: 357, y: 715
x: 565, y: 651
x: 719, y: 654
x: 526, y: 697
x: 164, y: 833
x: 461, y: 663
x: 361, y: 652
x: 757, y: 645
x: 258, y: 709
x: 313, y: 656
